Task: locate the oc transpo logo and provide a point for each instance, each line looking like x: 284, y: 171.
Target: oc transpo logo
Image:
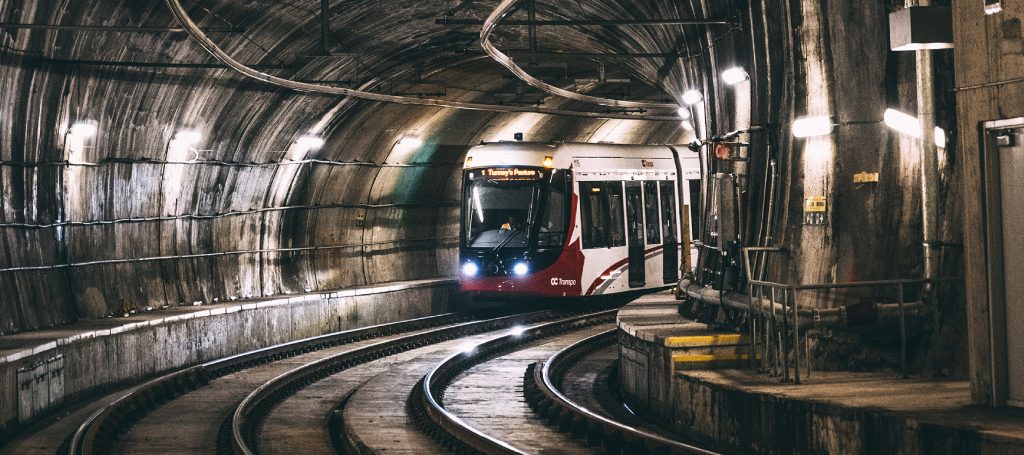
x: 555, y: 281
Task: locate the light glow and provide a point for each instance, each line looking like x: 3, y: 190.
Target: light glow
x: 309, y: 142
x: 476, y: 203
x: 83, y: 130
x: 812, y: 126
x: 516, y: 330
x: 687, y: 125
x: 520, y: 269
x: 684, y: 113
x: 467, y: 348
x: 733, y: 76
x: 549, y: 162
x: 692, y: 97
x: 940, y: 137
x: 904, y: 123
x: 470, y: 269
x: 188, y: 137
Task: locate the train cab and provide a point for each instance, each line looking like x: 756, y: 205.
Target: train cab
x: 570, y: 220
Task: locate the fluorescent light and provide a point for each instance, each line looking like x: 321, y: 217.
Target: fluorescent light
x: 410, y: 142
x: 812, y: 126
x: 940, y: 137
x: 309, y: 142
x: 904, y: 123
x: 188, y: 137
x: 733, y: 76
x: 684, y: 113
x: 83, y: 130
x: 692, y: 97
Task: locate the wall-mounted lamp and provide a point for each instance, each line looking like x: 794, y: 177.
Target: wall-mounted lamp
x: 183, y: 142
x: 735, y: 75
x: 812, y: 126
x: 911, y: 126
x: 309, y: 142
x: 692, y: 97
x: 74, y: 142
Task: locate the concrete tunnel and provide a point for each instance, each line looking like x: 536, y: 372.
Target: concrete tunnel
x: 159, y: 157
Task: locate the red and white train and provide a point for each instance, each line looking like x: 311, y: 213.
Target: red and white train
x: 573, y: 220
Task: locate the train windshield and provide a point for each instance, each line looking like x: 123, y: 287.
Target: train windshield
x: 505, y: 208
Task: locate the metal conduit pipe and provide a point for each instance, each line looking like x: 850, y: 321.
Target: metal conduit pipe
x: 193, y: 30
x: 844, y: 316
x: 929, y: 160
x: 503, y: 10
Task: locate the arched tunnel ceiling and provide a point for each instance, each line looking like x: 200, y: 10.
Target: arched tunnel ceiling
x: 127, y: 218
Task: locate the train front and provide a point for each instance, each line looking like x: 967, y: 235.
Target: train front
x: 516, y: 222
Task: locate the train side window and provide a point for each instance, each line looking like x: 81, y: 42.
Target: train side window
x: 593, y: 214
x: 552, y: 230
x: 668, y: 211
x: 651, y: 212
x: 616, y: 216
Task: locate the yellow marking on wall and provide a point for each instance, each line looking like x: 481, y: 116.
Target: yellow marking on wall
x: 703, y: 340
x: 694, y: 358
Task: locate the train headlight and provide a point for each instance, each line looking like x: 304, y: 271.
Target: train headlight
x: 520, y: 269
x: 470, y: 269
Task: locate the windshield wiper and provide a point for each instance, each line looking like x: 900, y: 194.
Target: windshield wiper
x: 511, y: 236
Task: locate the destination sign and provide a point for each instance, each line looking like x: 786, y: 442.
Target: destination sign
x: 511, y: 173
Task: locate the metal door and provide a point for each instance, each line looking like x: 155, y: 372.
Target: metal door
x: 635, y: 225
x: 1009, y: 144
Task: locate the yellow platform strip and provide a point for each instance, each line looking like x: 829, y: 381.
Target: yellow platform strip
x: 703, y: 340
x: 694, y: 358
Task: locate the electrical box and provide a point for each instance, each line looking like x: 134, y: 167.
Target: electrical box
x: 921, y: 27
x: 815, y: 210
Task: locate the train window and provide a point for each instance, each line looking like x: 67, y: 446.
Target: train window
x: 651, y: 212
x: 668, y: 211
x: 551, y: 229
x: 634, y: 214
x: 616, y: 219
x: 499, y: 213
x: 593, y: 214
x: 601, y: 214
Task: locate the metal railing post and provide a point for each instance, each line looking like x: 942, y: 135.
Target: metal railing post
x: 796, y: 338
x: 903, y: 331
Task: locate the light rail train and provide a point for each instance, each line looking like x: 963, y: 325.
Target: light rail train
x: 574, y: 220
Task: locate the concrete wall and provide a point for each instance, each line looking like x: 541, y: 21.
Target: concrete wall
x: 92, y: 364
x: 124, y: 221
x: 989, y: 72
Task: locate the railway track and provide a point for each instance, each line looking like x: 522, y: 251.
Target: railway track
x: 450, y: 383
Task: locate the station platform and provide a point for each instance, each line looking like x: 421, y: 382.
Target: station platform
x: 42, y: 370
x: 718, y: 401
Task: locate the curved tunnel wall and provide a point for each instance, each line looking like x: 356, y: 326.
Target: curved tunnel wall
x: 125, y: 221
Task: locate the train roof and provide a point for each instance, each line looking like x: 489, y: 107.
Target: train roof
x: 562, y: 153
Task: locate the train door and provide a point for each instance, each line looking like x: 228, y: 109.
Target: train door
x: 670, y: 229
x: 635, y: 225
x: 1005, y: 160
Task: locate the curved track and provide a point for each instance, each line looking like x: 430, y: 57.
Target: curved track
x: 449, y: 383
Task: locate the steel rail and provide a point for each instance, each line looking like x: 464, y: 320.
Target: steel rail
x: 544, y: 394
x: 431, y: 387
x: 98, y: 432
x: 247, y: 413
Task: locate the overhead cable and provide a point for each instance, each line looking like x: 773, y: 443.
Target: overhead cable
x: 193, y: 30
